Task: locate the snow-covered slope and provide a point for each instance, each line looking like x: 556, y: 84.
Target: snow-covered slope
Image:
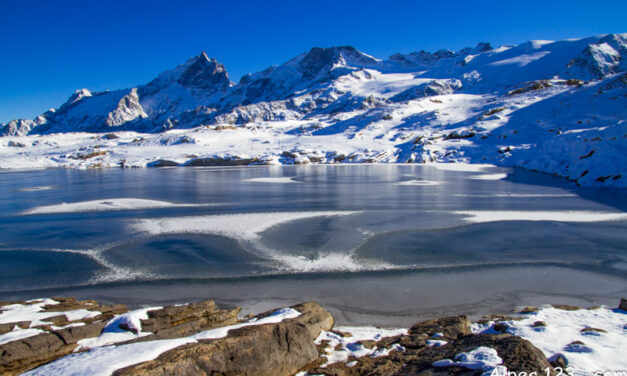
x: 558, y: 107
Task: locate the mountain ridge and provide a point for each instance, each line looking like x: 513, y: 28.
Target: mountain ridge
x: 416, y: 107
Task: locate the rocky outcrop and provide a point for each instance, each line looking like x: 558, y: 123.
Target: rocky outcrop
x: 127, y: 110
x: 22, y: 355
x: 419, y: 358
x: 169, y: 322
x: 182, y: 321
x: 600, y: 59
x: 429, y: 89
x: 205, y: 73
x: 280, y: 349
x: 27, y: 353
x: 216, y: 161
x: 272, y: 350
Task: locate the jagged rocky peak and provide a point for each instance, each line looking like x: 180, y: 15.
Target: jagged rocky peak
x: 607, y: 56
x: 128, y: 109
x: 203, y: 72
x: 78, y: 95
x: 319, y: 60
x: 74, y: 99
x: 424, y: 58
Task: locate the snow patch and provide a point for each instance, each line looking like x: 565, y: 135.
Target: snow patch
x: 17, y: 333
x: 121, y: 328
x: 105, y: 205
x: 599, y: 350
x: 349, y: 346
x: 482, y: 358
x: 479, y: 216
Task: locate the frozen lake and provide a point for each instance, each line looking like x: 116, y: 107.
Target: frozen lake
x: 384, y: 244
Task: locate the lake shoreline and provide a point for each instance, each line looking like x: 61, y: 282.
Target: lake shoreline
x: 161, y: 337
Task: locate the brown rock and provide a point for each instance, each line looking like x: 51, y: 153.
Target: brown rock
x: 272, y: 349
x: 369, y: 344
x: 566, y: 307
x: 5, y: 328
x: 537, y: 324
x: 185, y: 320
x: 623, y: 304
x: 529, y: 309
x: 450, y: 327
x: 21, y: 355
x: 314, y: 317
x: 74, y: 334
x: 501, y: 327
x: 280, y: 349
x: 518, y: 355
x: 587, y: 330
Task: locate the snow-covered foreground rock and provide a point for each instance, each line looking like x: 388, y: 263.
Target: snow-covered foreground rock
x: 557, y: 107
x: 300, y: 340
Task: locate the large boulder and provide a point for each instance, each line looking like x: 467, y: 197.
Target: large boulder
x: 28, y: 353
x: 277, y: 349
x: 185, y: 320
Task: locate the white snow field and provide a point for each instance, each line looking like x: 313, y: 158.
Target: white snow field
x: 106, y: 205
x: 557, y: 107
x: 590, y: 339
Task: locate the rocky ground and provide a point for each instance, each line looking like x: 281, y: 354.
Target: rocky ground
x: 65, y: 336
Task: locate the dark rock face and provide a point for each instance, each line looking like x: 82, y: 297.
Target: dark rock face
x: 318, y: 61
x: 623, y: 304
x: 200, y: 162
x: 280, y: 349
x: 206, y: 74
x: 163, y: 163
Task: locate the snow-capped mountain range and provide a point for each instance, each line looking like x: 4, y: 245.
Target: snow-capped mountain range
x: 558, y: 107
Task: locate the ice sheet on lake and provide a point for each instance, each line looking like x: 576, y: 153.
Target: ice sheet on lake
x: 279, y: 180
x: 37, y: 188
x: 481, y: 216
x: 106, y: 205
x: 241, y: 226
x: 490, y: 177
x: 419, y: 182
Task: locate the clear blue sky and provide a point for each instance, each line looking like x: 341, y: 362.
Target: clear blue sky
x: 48, y: 48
